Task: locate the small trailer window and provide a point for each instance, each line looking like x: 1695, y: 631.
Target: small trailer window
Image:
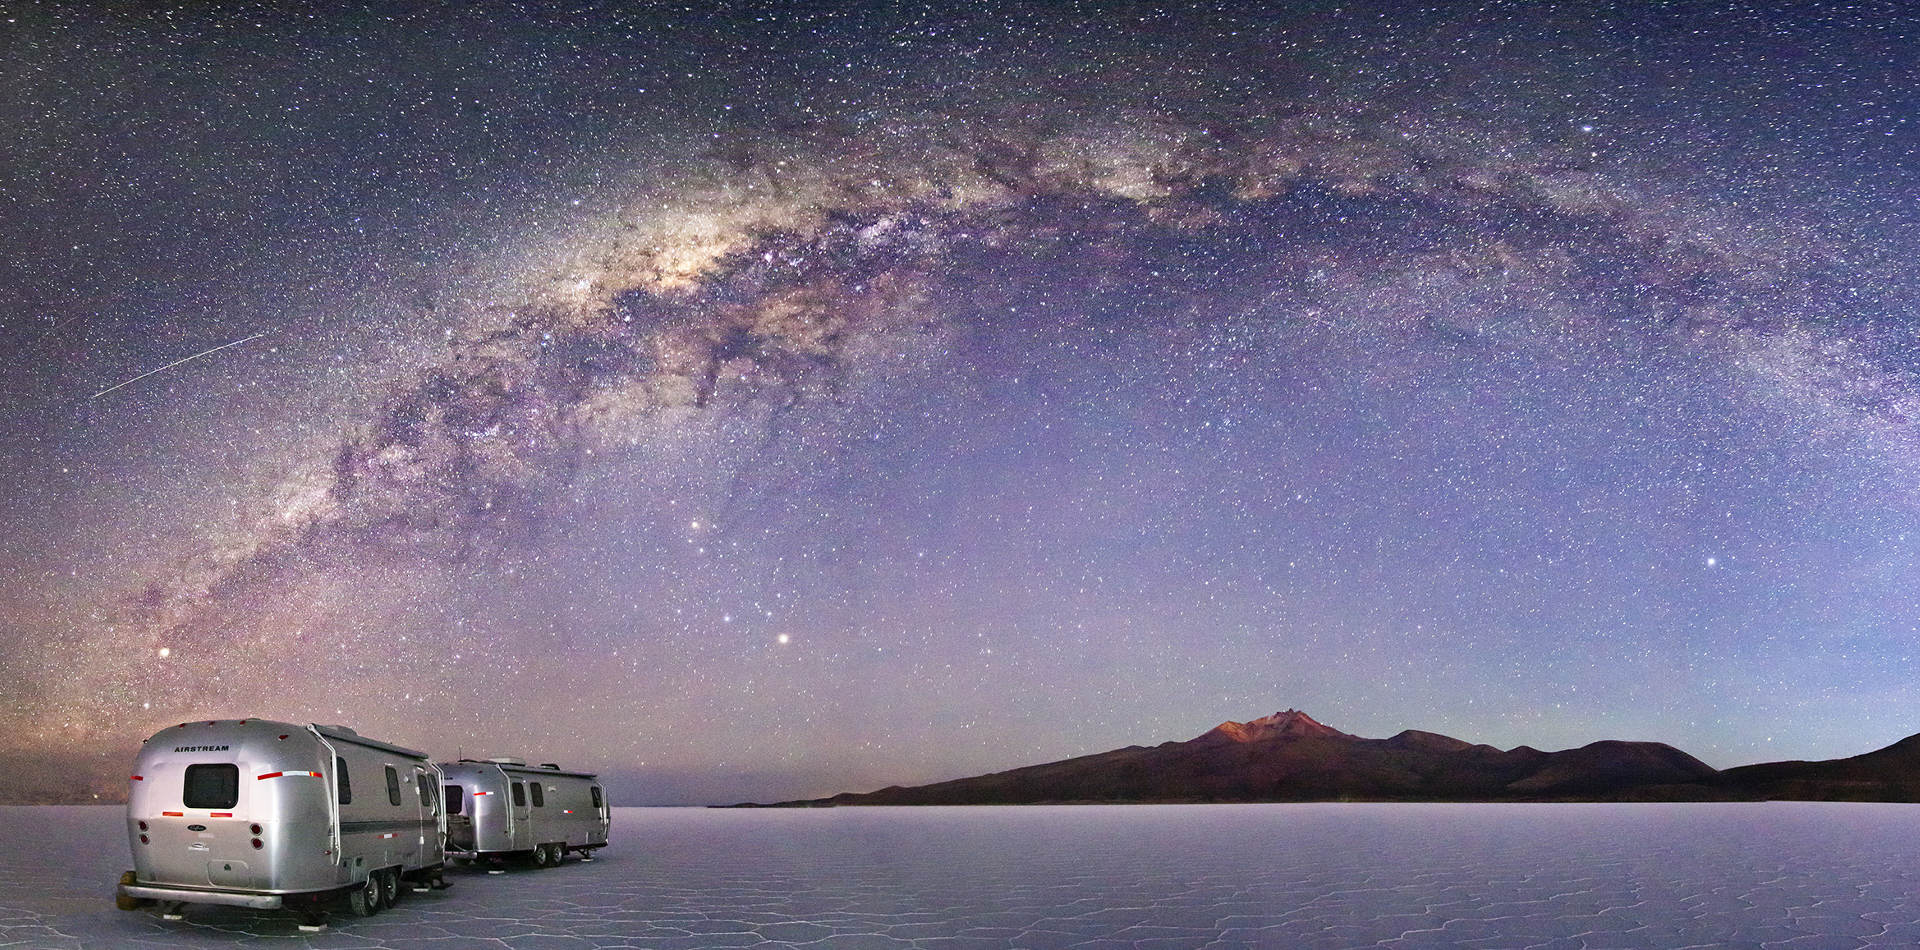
x: 596, y: 796
x: 393, y: 786
x: 539, y: 795
x: 212, y: 786
x: 455, y: 797
x: 424, y: 787
x: 519, y: 795
x: 340, y: 778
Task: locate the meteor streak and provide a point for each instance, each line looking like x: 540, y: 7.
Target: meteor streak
x: 172, y: 365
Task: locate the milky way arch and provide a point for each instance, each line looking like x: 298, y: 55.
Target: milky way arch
x: 761, y: 283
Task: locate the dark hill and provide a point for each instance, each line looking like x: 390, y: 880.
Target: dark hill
x: 1290, y: 757
x: 1891, y: 774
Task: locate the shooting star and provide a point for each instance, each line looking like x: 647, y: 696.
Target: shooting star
x: 172, y: 365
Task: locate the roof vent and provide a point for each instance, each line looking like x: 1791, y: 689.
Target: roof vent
x: 507, y: 760
x: 344, y: 729
x: 550, y: 765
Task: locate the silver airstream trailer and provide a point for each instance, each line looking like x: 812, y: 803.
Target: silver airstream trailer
x: 502, y: 807
x: 264, y: 814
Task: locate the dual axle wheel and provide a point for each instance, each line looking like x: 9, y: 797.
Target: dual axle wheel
x: 381, y: 891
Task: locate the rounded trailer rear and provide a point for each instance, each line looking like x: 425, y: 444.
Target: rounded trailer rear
x: 502, y: 807
x: 264, y: 814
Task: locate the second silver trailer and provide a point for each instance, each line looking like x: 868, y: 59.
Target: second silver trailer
x: 502, y: 807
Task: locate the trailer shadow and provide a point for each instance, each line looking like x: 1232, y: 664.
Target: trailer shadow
x: 392, y: 926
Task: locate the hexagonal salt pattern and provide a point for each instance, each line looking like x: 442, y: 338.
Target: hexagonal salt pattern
x: 1565, y: 877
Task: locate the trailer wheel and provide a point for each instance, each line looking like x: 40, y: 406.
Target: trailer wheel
x: 559, y: 854
x: 364, y: 900
x: 540, y: 855
x: 389, y: 887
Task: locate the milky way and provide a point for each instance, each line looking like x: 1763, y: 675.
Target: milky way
x: 955, y: 426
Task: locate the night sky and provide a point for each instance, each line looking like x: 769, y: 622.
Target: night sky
x: 768, y: 402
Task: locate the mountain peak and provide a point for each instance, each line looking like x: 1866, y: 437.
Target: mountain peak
x: 1290, y: 723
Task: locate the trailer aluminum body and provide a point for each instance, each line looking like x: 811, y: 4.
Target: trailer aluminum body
x: 264, y: 814
x: 503, y: 807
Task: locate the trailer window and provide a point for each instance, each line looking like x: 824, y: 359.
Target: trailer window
x: 539, y: 794
x: 424, y: 787
x: 596, y: 796
x: 340, y: 778
x: 212, y: 786
x: 519, y: 795
x: 393, y: 786
x: 455, y: 796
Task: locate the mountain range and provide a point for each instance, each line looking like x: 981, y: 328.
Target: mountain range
x: 1290, y: 756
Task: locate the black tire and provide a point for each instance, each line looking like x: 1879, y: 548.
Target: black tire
x: 364, y: 899
x: 558, y: 853
x: 540, y: 856
x: 390, y: 887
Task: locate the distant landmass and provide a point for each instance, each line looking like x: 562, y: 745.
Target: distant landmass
x: 1291, y: 757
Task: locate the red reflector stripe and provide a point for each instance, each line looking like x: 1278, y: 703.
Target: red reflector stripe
x: 138, y: 779
x: 174, y: 814
x: 478, y: 794
x: 219, y: 814
x: 273, y: 775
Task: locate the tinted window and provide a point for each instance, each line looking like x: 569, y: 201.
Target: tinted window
x: 455, y: 796
x: 539, y: 794
x: 596, y: 796
x: 393, y: 786
x: 212, y: 786
x: 340, y: 778
x: 519, y: 795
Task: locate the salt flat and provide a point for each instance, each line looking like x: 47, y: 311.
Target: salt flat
x: 1785, y: 875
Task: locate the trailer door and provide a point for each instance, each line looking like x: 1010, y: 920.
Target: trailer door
x: 522, y: 822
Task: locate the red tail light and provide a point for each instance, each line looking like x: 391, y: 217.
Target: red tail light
x: 254, y: 829
x: 143, y: 826
x: 257, y: 845
x: 143, y: 839
x: 138, y: 779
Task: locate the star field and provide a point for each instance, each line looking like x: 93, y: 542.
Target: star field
x: 760, y: 404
